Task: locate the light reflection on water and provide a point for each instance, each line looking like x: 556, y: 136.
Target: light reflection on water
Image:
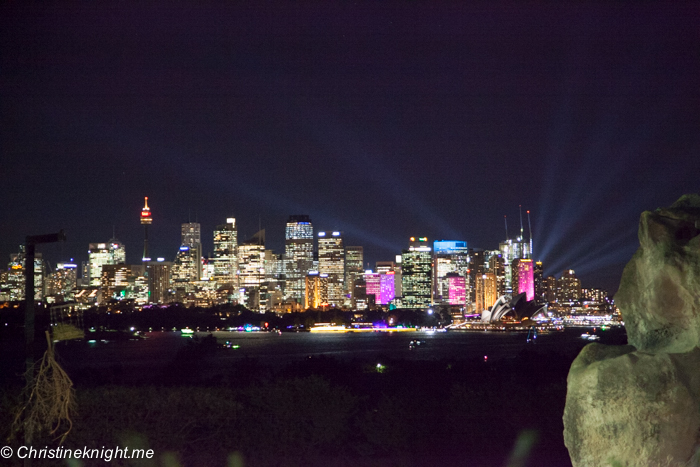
x: 270, y: 348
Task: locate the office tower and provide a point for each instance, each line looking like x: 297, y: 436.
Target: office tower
x: 192, y: 239
x: 159, y: 281
x: 495, y: 264
x: 457, y: 289
x: 551, y: 289
x: 526, y: 278
x: 251, y: 272
x: 386, y: 288
x: 373, y: 285
x: 538, y: 277
x: 146, y: 220
x: 398, y: 281
x: 225, y: 259
x: 116, y: 278
x: 186, y: 267
x: 331, y: 261
x: 354, y: 257
x: 99, y: 254
x: 416, y: 266
x: 62, y: 281
x: 359, y: 293
x: 486, y: 293
x: 316, y: 289
x: 477, y: 268
x: 15, y: 283
x: 450, y: 256
x: 569, y: 287
x: 298, y: 255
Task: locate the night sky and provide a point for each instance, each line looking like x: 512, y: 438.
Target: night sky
x: 381, y: 120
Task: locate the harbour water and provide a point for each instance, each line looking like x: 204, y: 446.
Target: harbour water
x: 160, y: 348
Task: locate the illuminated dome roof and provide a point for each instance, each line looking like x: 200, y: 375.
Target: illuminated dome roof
x: 518, y: 307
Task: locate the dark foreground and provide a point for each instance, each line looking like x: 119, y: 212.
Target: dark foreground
x: 200, y: 410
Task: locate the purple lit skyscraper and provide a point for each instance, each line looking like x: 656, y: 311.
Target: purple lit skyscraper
x: 386, y: 288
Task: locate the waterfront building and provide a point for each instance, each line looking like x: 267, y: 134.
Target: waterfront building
x: 100, y: 254
x: 298, y: 255
x: 416, y: 266
x: 316, y: 289
x: 225, y: 260
x: 331, y: 261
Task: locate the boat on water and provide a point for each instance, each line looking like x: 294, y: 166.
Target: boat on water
x: 590, y: 337
x: 414, y: 344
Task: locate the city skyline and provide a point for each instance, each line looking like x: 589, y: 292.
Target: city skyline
x: 381, y: 121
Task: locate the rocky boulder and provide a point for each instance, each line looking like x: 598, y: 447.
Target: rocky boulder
x: 626, y: 408
x: 659, y: 294
x: 639, y: 404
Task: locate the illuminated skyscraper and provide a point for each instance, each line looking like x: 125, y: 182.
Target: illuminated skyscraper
x: 116, y: 279
x: 15, y: 285
x: 251, y: 272
x: 99, y: 254
x: 457, y: 289
x: 186, y: 267
x: 354, y: 257
x: 159, y: 281
x: 316, y: 289
x: 450, y: 256
x: 386, y: 288
x: 538, y: 277
x: 569, y: 287
x: 512, y: 249
x: 192, y: 238
x: 372, y: 286
x: 62, y: 282
x: 486, y: 292
x: 331, y: 261
x: 225, y: 254
x: 416, y: 266
x: 526, y: 280
x: 146, y: 220
x: 298, y: 255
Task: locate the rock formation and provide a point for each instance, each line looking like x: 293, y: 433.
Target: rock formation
x: 639, y: 404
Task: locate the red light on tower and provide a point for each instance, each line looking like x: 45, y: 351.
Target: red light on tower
x: 146, y: 213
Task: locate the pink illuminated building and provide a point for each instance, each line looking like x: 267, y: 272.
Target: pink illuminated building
x: 381, y: 286
x: 526, y: 279
x: 457, y: 289
x: 386, y: 288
